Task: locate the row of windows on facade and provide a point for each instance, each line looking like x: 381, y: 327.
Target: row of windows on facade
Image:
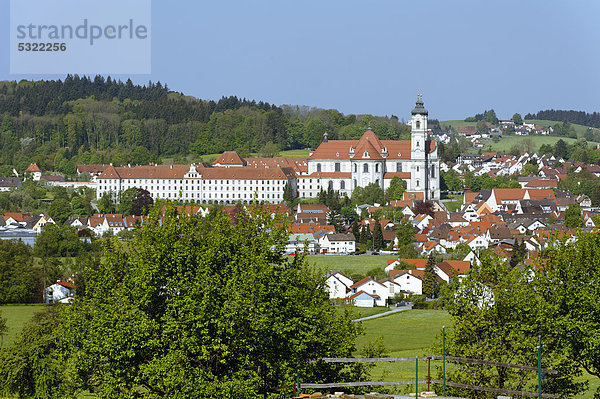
x: 208, y: 188
x: 366, y: 168
x: 191, y: 182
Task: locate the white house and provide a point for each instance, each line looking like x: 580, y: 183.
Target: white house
x: 59, y: 291
x: 406, y: 281
x: 375, y: 289
x: 338, y: 285
x: 363, y: 299
x: 298, y: 243
x: 338, y: 243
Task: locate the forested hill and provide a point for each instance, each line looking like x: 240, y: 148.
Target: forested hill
x: 58, y: 124
x: 579, y: 117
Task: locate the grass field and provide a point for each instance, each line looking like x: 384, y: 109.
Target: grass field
x: 405, y: 334
x: 349, y: 264
x: 507, y: 142
x: 211, y: 157
x: 455, y: 204
x: 16, y: 316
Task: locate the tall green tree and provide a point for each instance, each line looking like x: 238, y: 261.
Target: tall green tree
x: 517, y: 119
x: 573, y: 217
x: 200, y: 307
x: 106, y: 204
x: 568, y: 285
x: 396, y: 189
x: 377, y: 236
x: 60, y: 210
x: 498, y: 314
x: 431, y: 285
x: 20, y: 280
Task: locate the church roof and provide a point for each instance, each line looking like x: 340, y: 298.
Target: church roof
x: 369, y: 142
x: 419, y: 107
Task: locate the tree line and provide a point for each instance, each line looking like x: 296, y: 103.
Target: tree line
x: 579, y: 117
x: 58, y: 124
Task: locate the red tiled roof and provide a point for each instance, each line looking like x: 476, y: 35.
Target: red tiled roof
x: 33, y: 168
x: 230, y: 158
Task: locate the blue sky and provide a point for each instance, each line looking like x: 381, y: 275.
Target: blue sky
x: 375, y: 56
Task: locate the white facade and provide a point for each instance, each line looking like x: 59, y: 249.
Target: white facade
x: 337, y: 243
x: 199, y: 184
x: 346, y: 164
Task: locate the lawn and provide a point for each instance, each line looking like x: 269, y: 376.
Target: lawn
x: 361, y: 312
x: 455, y: 204
x: 412, y: 333
x: 303, y: 153
x: 16, y: 316
x: 349, y: 264
x: 405, y: 334
x: 507, y: 142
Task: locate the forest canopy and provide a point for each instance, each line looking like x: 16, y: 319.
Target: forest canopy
x: 58, y: 124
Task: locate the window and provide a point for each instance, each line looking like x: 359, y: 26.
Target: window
x: 417, y: 168
x: 365, y: 167
x: 418, y: 124
x: 355, y: 183
x: 337, y: 167
x: 355, y: 168
x: 433, y: 171
x: 331, y: 184
x: 417, y: 183
x: 376, y: 168
x: 398, y: 166
x: 318, y: 167
x: 342, y: 185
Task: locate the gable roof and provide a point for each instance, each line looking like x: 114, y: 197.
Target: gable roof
x: 230, y: 158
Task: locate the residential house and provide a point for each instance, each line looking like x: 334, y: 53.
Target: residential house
x: 8, y: 183
x: 377, y: 291
x: 60, y: 291
x: 301, y: 243
x: 338, y: 243
x: 338, y: 284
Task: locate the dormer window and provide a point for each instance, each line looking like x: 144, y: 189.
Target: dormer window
x: 351, y: 149
x: 366, y: 154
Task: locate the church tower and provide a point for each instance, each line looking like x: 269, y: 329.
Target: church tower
x: 418, y: 132
x: 418, y: 149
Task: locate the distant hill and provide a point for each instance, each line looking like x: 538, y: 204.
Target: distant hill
x: 578, y: 117
x: 58, y: 124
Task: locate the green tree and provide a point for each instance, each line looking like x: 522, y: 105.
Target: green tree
x: 573, y: 217
x: 482, y: 127
x: 396, y: 189
x: 377, y: 236
x: 498, y: 315
x: 20, y: 281
x: 34, y: 366
x: 349, y: 214
x: 370, y: 194
x: 126, y: 199
x: 57, y: 241
x: 571, y: 307
x: 517, y: 119
x: 106, y: 204
x: 288, y: 194
x: 200, y: 307
x: 560, y: 149
x: 431, y: 286
x: 60, y: 210
x: 405, y: 232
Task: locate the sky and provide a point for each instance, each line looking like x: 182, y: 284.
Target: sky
x: 464, y: 56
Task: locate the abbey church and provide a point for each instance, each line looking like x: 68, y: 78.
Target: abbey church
x: 347, y: 164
